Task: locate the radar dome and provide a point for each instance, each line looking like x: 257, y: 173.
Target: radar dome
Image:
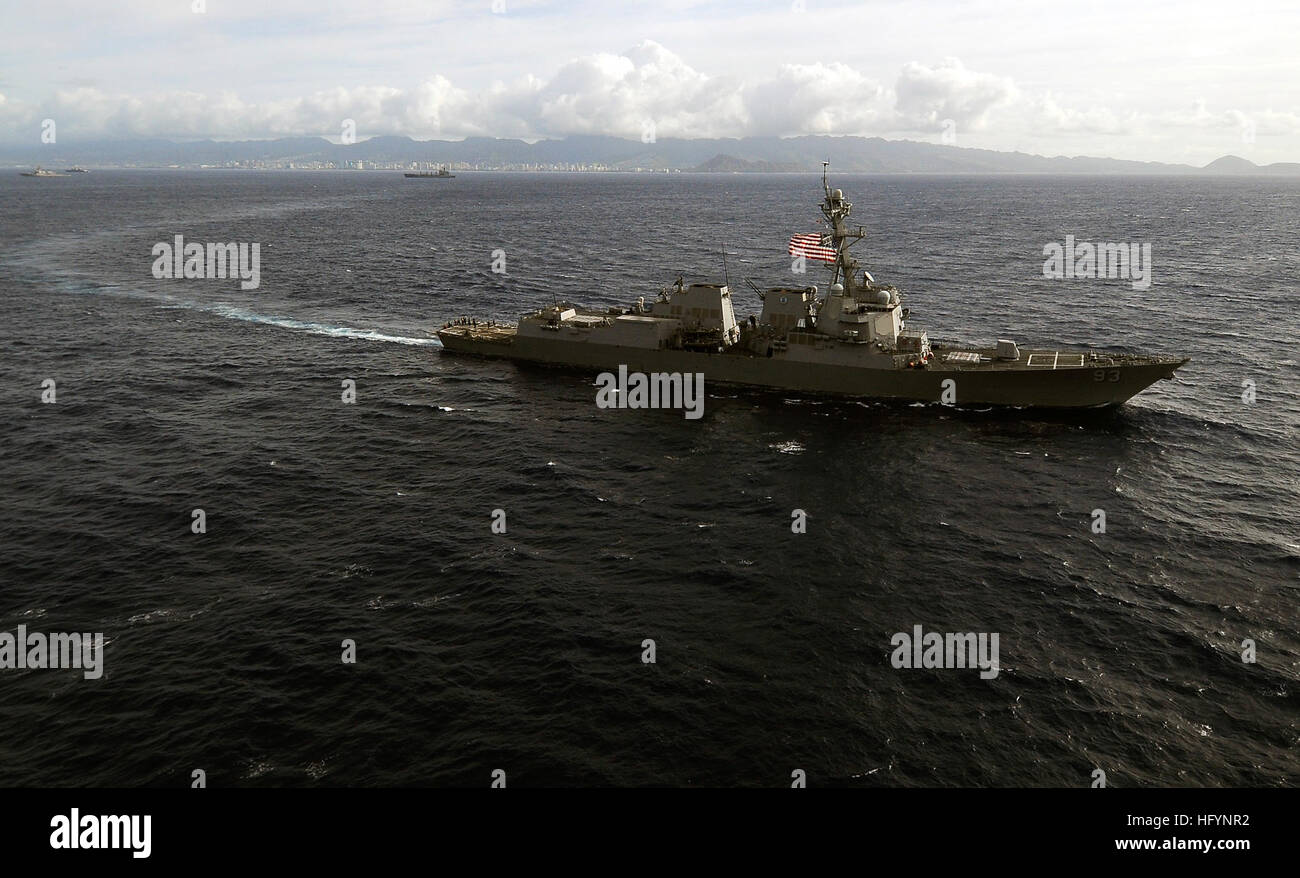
x: 837, y: 289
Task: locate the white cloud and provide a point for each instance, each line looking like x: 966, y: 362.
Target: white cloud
x: 620, y: 94
x: 818, y: 99
x: 603, y: 93
x: 1047, y: 114
x: 625, y: 93
x: 929, y: 95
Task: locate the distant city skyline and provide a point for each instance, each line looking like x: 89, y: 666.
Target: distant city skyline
x: 1168, y: 82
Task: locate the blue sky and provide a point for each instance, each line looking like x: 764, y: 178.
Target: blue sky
x: 1168, y: 81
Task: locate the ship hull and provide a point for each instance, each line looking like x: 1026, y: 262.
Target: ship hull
x: 1070, y: 387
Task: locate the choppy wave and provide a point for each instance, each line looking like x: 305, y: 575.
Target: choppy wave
x: 374, y: 520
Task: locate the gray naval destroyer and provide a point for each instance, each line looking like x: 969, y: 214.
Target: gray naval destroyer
x: 853, y: 342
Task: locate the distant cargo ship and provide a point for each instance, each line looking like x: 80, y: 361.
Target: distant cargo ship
x: 77, y: 170
x: 441, y: 172
x: 41, y: 172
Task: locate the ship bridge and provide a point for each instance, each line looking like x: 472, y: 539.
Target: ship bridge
x: 873, y: 315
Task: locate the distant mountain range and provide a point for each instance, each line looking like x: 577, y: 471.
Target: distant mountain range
x: 749, y: 154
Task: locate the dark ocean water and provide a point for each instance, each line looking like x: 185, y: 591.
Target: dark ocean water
x: 522, y: 651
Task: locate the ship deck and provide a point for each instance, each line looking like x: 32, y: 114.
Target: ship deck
x: 954, y: 355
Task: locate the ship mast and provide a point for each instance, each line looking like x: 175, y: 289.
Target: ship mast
x: 836, y: 210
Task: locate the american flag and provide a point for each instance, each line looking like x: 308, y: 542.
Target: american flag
x: 812, y: 247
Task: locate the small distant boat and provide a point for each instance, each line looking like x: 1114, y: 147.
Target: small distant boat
x: 77, y: 170
x: 41, y: 172
x: 441, y: 172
